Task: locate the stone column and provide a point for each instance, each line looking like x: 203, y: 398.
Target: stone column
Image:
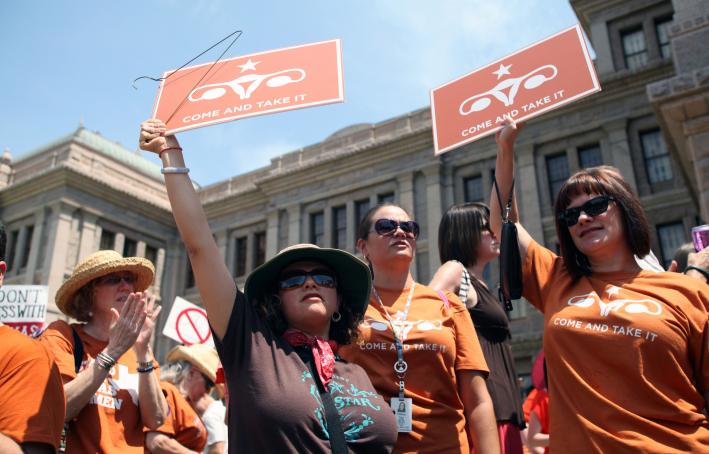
x: 433, y: 205
x: 271, y: 233
x: 351, y: 227
x: 529, y: 205
x: 406, y: 191
x: 55, y: 260
x: 620, y: 150
x: 159, y: 269
x: 140, y: 249
x: 295, y: 222
x: 87, y: 241
x: 119, y: 242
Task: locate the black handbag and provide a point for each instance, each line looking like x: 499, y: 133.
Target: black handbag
x: 510, y: 260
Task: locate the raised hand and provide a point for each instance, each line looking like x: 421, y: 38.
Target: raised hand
x: 507, y: 134
x: 126, y: 325
x: 142, y: 343
x: 153, y: 138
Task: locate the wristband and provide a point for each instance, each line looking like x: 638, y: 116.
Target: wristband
x: 145, y: 370
x: 142, y: 365
x: 105, y: 361
x: 165, y: 170
x: 702, y: 271
x: 168, y: 149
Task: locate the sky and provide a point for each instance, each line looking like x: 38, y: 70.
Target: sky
x: 72, y: 62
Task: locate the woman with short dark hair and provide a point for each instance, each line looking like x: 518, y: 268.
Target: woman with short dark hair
x: 627, y: 350
x: 466, y: 245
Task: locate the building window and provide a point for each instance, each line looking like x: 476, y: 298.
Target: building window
x: 151, y: 254
x: 14, y: 236
x: 129, y: 247
x: 473, y: 189
x: 634, y: 48
x: 557, y: 173
x: 240, y: 256
x: 259, y: 248
x: 189, y: 277
x: 662, y: 28
x: 387, y: 197
x: 657, y: 158
x: 108, y: 239
x: 671, y: 236
x: 25, y: 257
x: 590, y: 156
x: 317, y: 228
x: 339, y: 227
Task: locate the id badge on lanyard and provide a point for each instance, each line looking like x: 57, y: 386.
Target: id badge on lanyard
x: 400, y: 405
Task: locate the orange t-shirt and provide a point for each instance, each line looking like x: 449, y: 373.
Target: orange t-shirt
x: 182, y: 423
x: 32, y: 405
x: 439, y: 341
x: 110, y: 421
x: 627, y: 355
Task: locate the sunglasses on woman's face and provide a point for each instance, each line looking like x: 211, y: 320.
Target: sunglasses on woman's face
x: 593, y: 207
x: 296, y: 278
x: 116, y: 278
x: 388, y: 227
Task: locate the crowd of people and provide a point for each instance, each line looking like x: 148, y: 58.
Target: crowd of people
x: 322, y: 351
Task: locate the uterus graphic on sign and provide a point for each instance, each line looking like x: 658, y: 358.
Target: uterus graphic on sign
x: 244, y: 86
x: 506, y: 90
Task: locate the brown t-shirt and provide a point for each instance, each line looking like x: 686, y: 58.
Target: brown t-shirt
x: 182, y: 422
x: 31, y: 392
x: 440, y: 341
x: 274, y: 403
x: 627, y: 356
x: 110, y: 421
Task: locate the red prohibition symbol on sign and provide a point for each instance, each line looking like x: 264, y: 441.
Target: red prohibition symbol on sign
x: 192, y: 326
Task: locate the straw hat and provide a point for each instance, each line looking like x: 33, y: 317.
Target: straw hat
x: 354, y: 281
x: 201, y: 356
x: 100, y: 264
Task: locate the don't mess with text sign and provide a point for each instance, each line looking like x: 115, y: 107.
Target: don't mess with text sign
x: 255, y: 84
x: 544, y: 76
x: 24, y: 307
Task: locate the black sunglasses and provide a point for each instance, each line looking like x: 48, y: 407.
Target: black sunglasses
x: 116, y: 278
x: 296, y: 278
x: 593, y: 207
x: 389, y: 226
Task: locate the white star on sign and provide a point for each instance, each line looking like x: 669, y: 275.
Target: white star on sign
x: 249, y: 65
x: 502, y: 70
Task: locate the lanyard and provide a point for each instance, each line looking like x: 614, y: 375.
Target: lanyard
x: 400, y: 366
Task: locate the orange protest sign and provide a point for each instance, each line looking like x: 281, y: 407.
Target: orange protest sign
x: 544, y: 76
x: 255, y: 84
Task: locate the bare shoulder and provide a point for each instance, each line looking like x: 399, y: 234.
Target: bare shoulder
x: 447, y: 277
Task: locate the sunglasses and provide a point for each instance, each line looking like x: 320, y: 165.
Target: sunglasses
x: 115, y: 279
x: 593, y: 207
x: 296, y: 278
x: 388, y: 227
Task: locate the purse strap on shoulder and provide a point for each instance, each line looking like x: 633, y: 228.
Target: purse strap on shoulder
x: 504, y: 211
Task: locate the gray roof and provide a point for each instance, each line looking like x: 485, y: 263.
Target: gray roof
x: 97, y: 142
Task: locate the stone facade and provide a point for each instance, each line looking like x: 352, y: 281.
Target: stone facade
x: 83, y: 191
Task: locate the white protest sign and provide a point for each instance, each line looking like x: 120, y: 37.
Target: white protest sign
x: 24, y: 307
x: 187, y: 324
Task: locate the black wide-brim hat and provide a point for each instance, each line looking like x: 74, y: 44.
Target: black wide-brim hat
x: 354, y: 280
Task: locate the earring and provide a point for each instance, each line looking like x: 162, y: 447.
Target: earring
x: 336, y: 317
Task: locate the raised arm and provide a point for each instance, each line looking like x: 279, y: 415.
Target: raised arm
x: 504, y: 175
x: 216, y: 286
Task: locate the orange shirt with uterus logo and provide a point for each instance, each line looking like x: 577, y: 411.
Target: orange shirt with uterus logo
x: 110, y: 421
x: 627, y: 357
x: 439, y: 341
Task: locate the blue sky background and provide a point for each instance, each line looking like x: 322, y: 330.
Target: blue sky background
x: 64, y: 62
